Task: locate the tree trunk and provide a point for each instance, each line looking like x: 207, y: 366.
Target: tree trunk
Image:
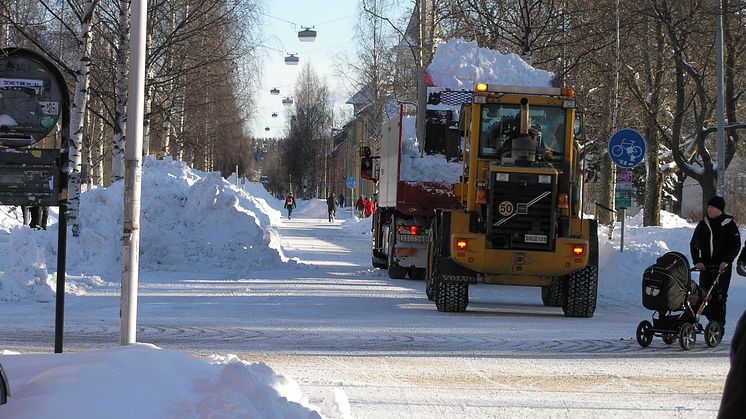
x: 653, y: 179
x: 77, y: 114
x: 678, y: 194
x: 117, y: 153
x: 149, y: 91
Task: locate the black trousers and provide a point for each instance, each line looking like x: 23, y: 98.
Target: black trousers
x: 715, y: 310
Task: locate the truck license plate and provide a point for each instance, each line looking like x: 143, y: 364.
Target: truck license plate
x: 413, y: 238
x: 535, y: 238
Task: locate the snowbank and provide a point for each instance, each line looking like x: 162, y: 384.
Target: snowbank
x: 459, y: 64
x: 112, y: 384
x: 190, y: 221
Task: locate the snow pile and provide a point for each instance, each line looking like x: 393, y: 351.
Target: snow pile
x: 312, y: 208
x: 428, y: 168
x: 25, y: 277
x: 357, y: 226
x: 459, y: 64
x: 190, y: 221
x: 620, y: 273
x: 177, y: 386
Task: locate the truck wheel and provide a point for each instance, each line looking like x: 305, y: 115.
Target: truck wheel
x: 4, y: 386
x: 417, y: 273
x: 551, y: 295
x: 580, y: 292
x: 452, y: 297
x: 395, y: 271
x: 379, y: 261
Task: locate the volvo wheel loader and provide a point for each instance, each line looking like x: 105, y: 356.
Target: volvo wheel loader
x: 518, y: 218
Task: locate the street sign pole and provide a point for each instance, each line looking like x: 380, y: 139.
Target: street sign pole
x: 626, y: 149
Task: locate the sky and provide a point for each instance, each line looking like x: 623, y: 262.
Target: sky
x: 333, y: 21
x: 209, y: 245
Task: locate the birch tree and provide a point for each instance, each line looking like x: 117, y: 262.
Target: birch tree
x: 77, y: 113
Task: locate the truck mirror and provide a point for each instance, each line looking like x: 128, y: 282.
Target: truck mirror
x: 366, y: 168
x: 364, y: 151
x: 579, y: 131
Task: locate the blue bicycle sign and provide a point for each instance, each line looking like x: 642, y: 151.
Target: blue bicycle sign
x: 626, y: 148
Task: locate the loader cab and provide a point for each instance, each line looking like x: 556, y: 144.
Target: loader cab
x: 500, y: 125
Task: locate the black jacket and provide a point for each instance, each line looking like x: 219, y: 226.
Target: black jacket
x: 715, y: 240
x: 331, y: 203
x: 733, y: 403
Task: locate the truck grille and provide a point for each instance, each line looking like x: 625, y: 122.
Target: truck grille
x: 520, y: 212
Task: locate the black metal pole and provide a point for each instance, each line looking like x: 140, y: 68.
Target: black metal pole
x: 59, y: 317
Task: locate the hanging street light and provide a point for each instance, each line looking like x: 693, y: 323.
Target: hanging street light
x: 275, y: 91
x: 266, y: 128
x: 307, y: 34
x: 292, y: 59
x: 274, y: 114
x: 287, y: 101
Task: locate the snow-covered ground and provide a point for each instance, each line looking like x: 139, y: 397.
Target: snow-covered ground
x: 258, y: 316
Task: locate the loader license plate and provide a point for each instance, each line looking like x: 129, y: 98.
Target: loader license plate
x: 535, y: 238
x: 413, y: 238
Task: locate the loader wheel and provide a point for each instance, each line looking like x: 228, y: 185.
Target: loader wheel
x: 552, y: 295
x: 581, y: 290
x: 687, y: 336
x: 644, y: 335
x: 395, y: 271
x: 451, y: 297
x: 713, y: 334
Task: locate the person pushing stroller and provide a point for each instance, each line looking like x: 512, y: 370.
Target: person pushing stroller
x: 715, y: 244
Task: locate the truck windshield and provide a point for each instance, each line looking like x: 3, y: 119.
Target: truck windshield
x: 501, y: 123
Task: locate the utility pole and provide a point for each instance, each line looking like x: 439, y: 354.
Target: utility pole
x: 133, y: 176
x: 719, y: 99
x: 421, y: 63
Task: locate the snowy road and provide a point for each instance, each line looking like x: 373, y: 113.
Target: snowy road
x: 333, y: 322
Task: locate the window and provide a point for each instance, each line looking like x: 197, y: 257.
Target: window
x: 500, y: 123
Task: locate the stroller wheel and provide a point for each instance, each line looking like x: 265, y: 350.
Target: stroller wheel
x: 644, y: 335
x: 669, y: 338
x: 687, y: 336
x: 713, y: 334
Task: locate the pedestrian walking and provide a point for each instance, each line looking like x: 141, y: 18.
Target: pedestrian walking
x: 290, y: 204
x: 331, y: 206
x: 714, y: 245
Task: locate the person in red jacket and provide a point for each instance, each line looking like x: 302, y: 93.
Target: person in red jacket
x: 370, y: 206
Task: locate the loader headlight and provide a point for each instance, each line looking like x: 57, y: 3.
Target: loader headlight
x: 545, y: 179
x: 502, y: 177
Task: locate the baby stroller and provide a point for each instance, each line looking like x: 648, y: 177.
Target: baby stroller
x: 667, y: 288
